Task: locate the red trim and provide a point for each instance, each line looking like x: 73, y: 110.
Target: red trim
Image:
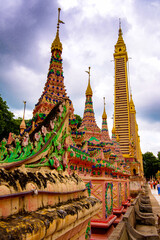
x: 125, y: 203
x: 103, y: 224
x: 118, y: 210
x: 80, y: 161
x: 118, y: 219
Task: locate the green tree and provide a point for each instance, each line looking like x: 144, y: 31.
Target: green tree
x: 7, y: 122
x: 79, y: 119
x: 150, y: 164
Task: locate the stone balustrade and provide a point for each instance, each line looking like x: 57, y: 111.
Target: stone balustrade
x: 138, y: 222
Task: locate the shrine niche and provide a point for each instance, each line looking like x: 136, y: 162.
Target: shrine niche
x: 109, y: 198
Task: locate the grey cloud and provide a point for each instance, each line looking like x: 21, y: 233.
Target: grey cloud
x: 151, y: 112
x: 21, y: 33
x: 19, y: 37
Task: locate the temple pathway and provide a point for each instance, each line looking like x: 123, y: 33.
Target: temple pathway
x: 155, y: 194
x: 155, y: 201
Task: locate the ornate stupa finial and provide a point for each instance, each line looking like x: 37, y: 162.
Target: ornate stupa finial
x: 117, y: 138
x: 89, y: 124
x: 120, y: 46
x: 132, y: 106
x: 131, y: 100
x: 113, y: 130
x: 120, y: 38
x: 23, y: 125
x: 120, y: 30
x: 104, y: 116
x: 119, y: 23
x: 56, y: 43
x: 89, y: 89
x: 105, y: 133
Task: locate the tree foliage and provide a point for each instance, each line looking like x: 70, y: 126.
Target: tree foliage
x: 158, y: 155
x: 151, y: 164
x: 79, y: 119
x: 7, y: 122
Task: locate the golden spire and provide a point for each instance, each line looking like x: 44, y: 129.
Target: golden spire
x: 89, y: 90
x: 120, y: 38
x: 120, y: 47
x: 119, y: 23
x: 113, y: 130
x: 117, y: 138
x: 131, y: 103
x: 23, y: 125
x: 104, y: 116
x: 56, y: 43
x: 120, y: 30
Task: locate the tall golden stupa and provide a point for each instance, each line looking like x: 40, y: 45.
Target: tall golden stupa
x: 126, y: 127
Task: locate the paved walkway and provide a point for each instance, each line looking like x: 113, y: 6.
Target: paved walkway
x: 155, y: 202
x: 155, y: 194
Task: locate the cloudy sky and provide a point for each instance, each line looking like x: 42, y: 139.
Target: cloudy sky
x: 28, y: 28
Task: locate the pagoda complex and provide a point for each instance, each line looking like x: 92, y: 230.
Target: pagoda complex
x: 63, y: 182
x: 125, y: 124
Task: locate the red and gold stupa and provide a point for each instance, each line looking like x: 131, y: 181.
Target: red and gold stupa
x: 95, y: 157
